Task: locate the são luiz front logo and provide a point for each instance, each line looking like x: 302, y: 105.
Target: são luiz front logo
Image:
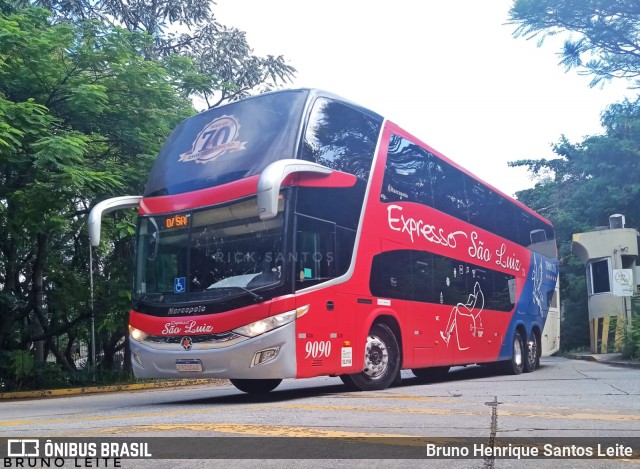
x: 214, y: 140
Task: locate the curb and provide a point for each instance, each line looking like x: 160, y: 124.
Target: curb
x: 113, y: 388
x: 592, y: 358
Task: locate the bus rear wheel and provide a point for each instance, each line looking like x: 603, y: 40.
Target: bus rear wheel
x: 381, y: 361
x: 516, y: 364
x: 256, y: 386
x: 532, y: 349
x: 434, y: 373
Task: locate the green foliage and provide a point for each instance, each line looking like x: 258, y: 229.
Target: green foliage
x: 21, y: 364
x: 604, y: 34
x: 579, y: 190
x: 593, y: 179
x: 224, y: 65
x: 88, y: 93
x: 631, y: 345
x: 81, y: 115
x: 575, y: 321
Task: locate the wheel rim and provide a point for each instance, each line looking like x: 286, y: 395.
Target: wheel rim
x: 376, y: 357
x: 533, y: 351
x: 517, y: 352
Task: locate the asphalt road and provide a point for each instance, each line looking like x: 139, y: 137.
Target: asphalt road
x: 564, y: 398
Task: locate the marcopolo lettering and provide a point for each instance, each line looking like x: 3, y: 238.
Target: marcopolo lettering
x: 187, y: 310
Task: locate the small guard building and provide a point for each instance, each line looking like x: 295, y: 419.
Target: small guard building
x: 610, y: 254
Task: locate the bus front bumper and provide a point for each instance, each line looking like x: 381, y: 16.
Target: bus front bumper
x: 267, y: 356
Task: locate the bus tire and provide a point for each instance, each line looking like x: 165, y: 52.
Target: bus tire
x: 532, y: 350
x: 381, y: 360
x: 256, y: 386
x: 348, y: 382
x: 516, y: 364
x: 435, y: 373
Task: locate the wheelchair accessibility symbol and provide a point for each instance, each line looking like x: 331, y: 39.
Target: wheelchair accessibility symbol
x: 179, y: 284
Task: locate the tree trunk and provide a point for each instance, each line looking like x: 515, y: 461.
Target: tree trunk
x: 39, y: 323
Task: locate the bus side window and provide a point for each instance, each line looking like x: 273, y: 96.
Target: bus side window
x: 449, y: 192
x: 482, y: 205
x: 319, y: 204
x: 406, y: 175
x: 506, y: 222
x: 391, y: 275
x: 315, y: 251
x: 423, y: 277
x: 450, y: 280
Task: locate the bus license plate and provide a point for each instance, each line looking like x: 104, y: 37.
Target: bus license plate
x: 188, y: 365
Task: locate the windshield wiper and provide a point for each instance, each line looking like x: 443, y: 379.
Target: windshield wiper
x: 147, y: 297
x: 255, y: 296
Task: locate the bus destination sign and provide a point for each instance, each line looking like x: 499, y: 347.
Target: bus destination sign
x: 176, y: 221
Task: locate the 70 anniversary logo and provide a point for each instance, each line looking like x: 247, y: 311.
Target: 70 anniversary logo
x: 217, y: 138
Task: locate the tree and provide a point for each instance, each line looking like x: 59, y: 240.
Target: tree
x: 604, y: 39
x: 82, y: 115
x: 228, y: 68
x: 599, y: 176
x: 87, y: 95
x: 580, y: 189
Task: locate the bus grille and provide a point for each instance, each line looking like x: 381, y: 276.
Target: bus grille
x: 200, y: 342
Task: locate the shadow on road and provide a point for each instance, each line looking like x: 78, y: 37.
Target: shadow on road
x: 232, y: 396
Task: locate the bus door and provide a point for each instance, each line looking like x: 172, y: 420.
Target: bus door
x: 427, y: 313
x: 405, y: 277
x: 324, y: 332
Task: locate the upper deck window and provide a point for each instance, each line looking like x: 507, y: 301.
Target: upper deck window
x: 341, y: 137
x: 415, y: 174
x: 228, y: 143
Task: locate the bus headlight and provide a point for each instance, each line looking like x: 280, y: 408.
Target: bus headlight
x: 137, y: 334
x: 268, y: 324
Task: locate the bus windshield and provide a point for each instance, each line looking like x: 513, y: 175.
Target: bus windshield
x: 210, y: 254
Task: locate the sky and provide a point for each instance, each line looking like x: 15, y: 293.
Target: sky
x: 450, y: 72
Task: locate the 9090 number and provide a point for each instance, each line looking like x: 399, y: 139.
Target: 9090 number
x: 318, y: 349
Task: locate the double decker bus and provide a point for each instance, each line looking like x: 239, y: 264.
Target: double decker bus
x: 296, y: 234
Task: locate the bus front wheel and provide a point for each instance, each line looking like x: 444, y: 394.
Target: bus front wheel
x: 256, y: 386
x: 381, y: 361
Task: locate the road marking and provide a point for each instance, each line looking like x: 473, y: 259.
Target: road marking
x: 409, y: 397
x: 564, y: 414
x: 265, y: 430
x: 460, y: 401
x: 382, y: 410
x: 571, y: 416
x: 10, y: 423
x: 406, y: 410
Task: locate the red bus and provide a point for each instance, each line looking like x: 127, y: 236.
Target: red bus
x: 296, y: 234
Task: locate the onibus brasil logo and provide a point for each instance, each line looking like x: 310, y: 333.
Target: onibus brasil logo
x: 214, y: 140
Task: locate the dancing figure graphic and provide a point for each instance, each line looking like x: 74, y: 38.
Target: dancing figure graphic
x: 471, y: 309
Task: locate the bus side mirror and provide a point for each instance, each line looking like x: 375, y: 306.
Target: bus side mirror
x: 106, y: 206
x: 271, y: 180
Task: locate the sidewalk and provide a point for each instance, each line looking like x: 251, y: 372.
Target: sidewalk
x: 113, y: 388
x: 614, y: 359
